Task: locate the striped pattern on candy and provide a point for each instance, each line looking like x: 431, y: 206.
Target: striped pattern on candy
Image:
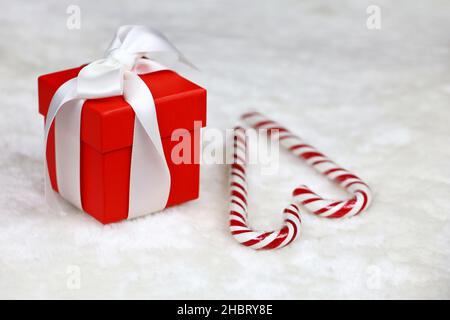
x: 362, y: 195
x: 238, y: 207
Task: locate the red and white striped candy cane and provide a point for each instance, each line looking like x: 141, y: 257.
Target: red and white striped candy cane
x: 362, y: 195
x: 238, y: 209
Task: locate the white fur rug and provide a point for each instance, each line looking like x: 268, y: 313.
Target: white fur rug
x: 376, y: 101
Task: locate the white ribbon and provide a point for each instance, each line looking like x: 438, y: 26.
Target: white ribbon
x: 117, y: 74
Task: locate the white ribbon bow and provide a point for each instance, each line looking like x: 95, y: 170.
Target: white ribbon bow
x: 117, y: 74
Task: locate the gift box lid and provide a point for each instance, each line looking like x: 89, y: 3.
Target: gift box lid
x: 107, y: 124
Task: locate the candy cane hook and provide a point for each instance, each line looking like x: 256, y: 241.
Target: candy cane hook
x: 362, y: 195
x: 238, y: 209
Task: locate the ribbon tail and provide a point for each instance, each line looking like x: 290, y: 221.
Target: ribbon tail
x: 184, y: 60
x: 67, y: 153
x: 55, y: 202
x: 51, y: 197
x: 150, y: 176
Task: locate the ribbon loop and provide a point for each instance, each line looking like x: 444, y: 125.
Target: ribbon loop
x: 100, y: 79
x: 130, y: 50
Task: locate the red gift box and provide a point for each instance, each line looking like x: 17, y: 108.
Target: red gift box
x: 106, y: 139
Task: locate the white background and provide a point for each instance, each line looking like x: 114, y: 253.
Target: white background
x: 376, y: 101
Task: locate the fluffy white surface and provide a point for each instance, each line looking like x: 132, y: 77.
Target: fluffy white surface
x: 377, y: 102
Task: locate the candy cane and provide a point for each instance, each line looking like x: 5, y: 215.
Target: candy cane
x: 238, y: 209
x: 362, y: 195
